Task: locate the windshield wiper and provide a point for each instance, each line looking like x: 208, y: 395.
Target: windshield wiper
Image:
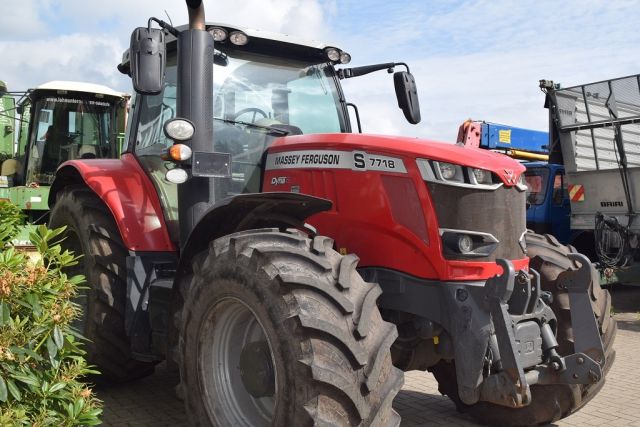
x: 281, y: 132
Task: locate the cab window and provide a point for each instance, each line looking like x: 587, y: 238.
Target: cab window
x: 536, y: 180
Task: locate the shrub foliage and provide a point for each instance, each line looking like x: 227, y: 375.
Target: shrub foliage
x: 41, y: 356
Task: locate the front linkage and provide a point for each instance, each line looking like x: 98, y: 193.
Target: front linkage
x: 516, y: 347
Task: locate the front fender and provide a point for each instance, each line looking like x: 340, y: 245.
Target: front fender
x: 246, y: 212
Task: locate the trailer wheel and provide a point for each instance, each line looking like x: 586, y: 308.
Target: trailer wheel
x: 92, y: 233
x: 279, y: 329
x: 549, y: 402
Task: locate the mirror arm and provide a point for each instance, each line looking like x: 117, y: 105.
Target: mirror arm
x: 403, y: 65
x: 347, y: 73
x: 164, y: 26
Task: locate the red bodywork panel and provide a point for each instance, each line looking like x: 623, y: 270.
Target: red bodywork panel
x: 384, y: 215
x: 132, y: 199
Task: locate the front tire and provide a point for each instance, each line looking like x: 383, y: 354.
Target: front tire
x: 279, y: 329
x: 549, y: 403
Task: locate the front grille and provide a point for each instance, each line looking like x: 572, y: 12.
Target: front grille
x: 501, y: 212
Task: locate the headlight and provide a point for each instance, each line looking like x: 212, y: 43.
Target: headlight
x: 447, y: 170
x: 467, y: 244
x: 482, y: 176
x: 457, y: 175
x: 179, y: 129
x: 450, y: 172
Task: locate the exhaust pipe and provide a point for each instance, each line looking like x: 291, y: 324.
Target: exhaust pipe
x: 195, y: 103
x: 196, y: 15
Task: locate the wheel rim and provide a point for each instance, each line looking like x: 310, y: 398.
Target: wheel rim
x: 236, y: 366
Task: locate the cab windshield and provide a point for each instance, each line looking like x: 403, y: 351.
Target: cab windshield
x: 67, y: 128
x: 268, y: 90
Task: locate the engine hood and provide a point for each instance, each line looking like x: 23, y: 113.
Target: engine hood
x: 403, y: 147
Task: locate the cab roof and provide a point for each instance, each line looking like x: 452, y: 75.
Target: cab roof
x: 62, y: 85
x: 267, y: 42
x: 261, y: 34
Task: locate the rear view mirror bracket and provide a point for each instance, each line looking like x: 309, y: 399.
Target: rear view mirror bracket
x: 404, y: 82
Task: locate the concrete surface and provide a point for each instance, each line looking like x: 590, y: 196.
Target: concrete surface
x: 151, y: 401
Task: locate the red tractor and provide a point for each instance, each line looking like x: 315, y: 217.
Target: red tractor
x: 204, y: 244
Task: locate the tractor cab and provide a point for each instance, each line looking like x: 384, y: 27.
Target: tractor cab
x: 67, y: 121
x: 58, y: 121
x: 265, y: 86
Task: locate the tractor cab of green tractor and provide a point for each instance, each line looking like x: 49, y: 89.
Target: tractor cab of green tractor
x: 68, y: 121
x: 58, y: 121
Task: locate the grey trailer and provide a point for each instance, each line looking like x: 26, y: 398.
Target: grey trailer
x: 595, y: 132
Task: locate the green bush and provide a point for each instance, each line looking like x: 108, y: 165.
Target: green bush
x: 11, y: 219
x: 41, y: 356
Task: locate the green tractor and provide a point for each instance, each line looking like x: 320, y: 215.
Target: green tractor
x: 47, y: 125
x: 7, y: 124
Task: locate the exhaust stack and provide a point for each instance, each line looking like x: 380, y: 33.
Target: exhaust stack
x: 196, y: 15
x: 195, y: 103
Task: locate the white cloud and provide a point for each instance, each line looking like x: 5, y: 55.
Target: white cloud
x: 22, y: 20
x: 91, y: 36
x: 477, y: 58
x: 73, y: 57
x: 297, y: 16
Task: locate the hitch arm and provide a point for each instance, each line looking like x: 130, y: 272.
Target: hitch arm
x: 585, y: 328
x: 512, y: 378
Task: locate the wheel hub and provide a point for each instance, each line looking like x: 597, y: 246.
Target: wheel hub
x: 256, y: 369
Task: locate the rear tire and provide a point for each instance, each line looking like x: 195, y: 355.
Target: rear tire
x: 323, y: 350
x: 92, y: 233
x: 549, y: 402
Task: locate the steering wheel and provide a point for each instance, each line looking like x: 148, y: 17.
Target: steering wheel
x: 72, y: 136
x: 250, y: 110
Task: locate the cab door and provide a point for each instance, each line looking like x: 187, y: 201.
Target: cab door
x: 559, y: 207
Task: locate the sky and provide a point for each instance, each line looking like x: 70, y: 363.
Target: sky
x: 478, y: 59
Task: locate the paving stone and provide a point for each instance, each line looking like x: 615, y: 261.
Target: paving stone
x: 152, y: 402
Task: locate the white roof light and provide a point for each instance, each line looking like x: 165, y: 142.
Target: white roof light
x: 219, y: 34
x: 238, y: 38
x: 60, y: 85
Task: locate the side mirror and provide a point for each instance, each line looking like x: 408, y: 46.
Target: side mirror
x: 407, y: 94
x: 147, y: 60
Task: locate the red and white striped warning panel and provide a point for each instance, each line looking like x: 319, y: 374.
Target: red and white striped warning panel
x: 576, y: 192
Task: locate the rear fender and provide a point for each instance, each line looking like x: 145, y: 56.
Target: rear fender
x: 128, y: 193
